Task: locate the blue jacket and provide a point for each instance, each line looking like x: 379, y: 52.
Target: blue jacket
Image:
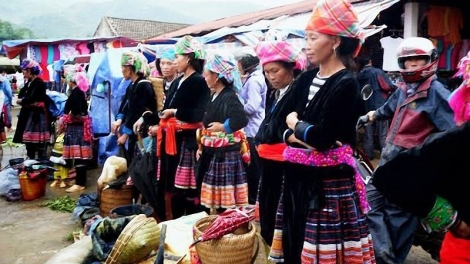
x: 415, y: 115
x: 5, y: 86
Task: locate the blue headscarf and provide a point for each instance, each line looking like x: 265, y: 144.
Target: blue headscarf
x: 166, y: 53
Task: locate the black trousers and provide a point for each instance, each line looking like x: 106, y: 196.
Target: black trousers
x: 253, y: 172
x: 270, y: 188
x: 33, y: 148
x: 80, y: 178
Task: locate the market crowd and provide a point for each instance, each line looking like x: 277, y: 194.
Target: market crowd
x: 257, y: 127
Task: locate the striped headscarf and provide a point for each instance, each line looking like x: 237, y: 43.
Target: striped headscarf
x: 189, y: 44
x: 136, y: 59
x: 32, y: 65
x: 270, y: 51
x: 225, y: 65
x: 337, y: 18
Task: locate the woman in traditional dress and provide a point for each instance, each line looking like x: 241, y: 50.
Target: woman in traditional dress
x: 282, y: 64
x: 181, y: 116
x: 322, y: 210
x: 33, y: 128
x: 221, y: 169
x: 76, y: 124
x: 166, y: 68
x: 140, y: 97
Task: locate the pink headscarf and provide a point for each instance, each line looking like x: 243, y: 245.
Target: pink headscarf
x: 270, y: 51
x: 81, y: 80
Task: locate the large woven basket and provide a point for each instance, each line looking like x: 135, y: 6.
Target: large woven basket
x: 136, y: 241
x: 32, y: 189
x: 236, y: 249
x: 112, y: 198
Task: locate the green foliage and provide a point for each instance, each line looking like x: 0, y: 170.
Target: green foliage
x: 10, y: 32
x: 62, y: 204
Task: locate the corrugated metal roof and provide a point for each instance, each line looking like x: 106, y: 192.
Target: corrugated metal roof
x: 248, y: 18
x: 140, y: 29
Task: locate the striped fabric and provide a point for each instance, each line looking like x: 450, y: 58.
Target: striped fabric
x: 225, y: 185
x: 315, y: 86
x: 36, y: 130
x: 337, y: 233
x: 74, y: 145
x: 185, y: 177
x: 271, y: 51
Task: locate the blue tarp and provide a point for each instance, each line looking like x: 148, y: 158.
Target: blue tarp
x: 105, y: 69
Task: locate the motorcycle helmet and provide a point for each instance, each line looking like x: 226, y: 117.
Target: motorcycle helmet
x: 417, y: 47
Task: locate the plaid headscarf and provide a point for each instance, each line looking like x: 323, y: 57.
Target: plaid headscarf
x: 270, y: 51
x: 81, y: 80
x: 31, y: 64
x: 337, y: 18
x: 225, y: 65
x: 188, y: 44
x: 136, y: 59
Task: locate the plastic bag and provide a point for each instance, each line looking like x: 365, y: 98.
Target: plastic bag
x: 8, y: 180
x: 111, y: 147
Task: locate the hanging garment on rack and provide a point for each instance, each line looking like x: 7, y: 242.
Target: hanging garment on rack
x: 444, y: 21
x: 390, y: 45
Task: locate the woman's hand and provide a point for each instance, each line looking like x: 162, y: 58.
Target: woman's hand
x: 122, y: 139
x: 152, y: 131
x: 115, y: 125
x: 198, y: 154
x: 138, y: 125
x: 215, y: 127
x: 292, y: 120
x: 18, y: 101
x: 167, y: 113
x: 371, y: 116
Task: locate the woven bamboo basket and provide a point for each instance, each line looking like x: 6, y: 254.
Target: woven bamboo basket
x: 112, y: 198
x: 136, y: 241
x: 159, y: 90
x: 32, y: 189
x: 236, y: 249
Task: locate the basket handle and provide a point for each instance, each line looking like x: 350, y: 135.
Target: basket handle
x: 255, y: 256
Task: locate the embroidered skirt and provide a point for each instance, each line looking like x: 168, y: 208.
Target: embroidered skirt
x: 37, y: 127
x: 74, y: 145
x: 224, y: 184
x: 185, y: 177
x: 335, y: 232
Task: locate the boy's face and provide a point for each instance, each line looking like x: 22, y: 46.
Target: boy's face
x: 415, y: 62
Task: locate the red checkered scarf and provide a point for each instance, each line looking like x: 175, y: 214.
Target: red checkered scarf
x: 337, y: 18
x: 270, y: 51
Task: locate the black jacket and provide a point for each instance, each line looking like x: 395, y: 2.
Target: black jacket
x: 437, y: 167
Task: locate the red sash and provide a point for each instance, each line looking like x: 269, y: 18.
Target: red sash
x: 171, y: 126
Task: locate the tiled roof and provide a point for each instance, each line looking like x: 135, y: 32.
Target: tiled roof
x: 248, y: 18
x: 140, y: 29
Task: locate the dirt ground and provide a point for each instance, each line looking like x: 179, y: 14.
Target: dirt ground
x: 30, y: 234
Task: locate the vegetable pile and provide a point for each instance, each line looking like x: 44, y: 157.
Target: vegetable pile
x: 62, y: 204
